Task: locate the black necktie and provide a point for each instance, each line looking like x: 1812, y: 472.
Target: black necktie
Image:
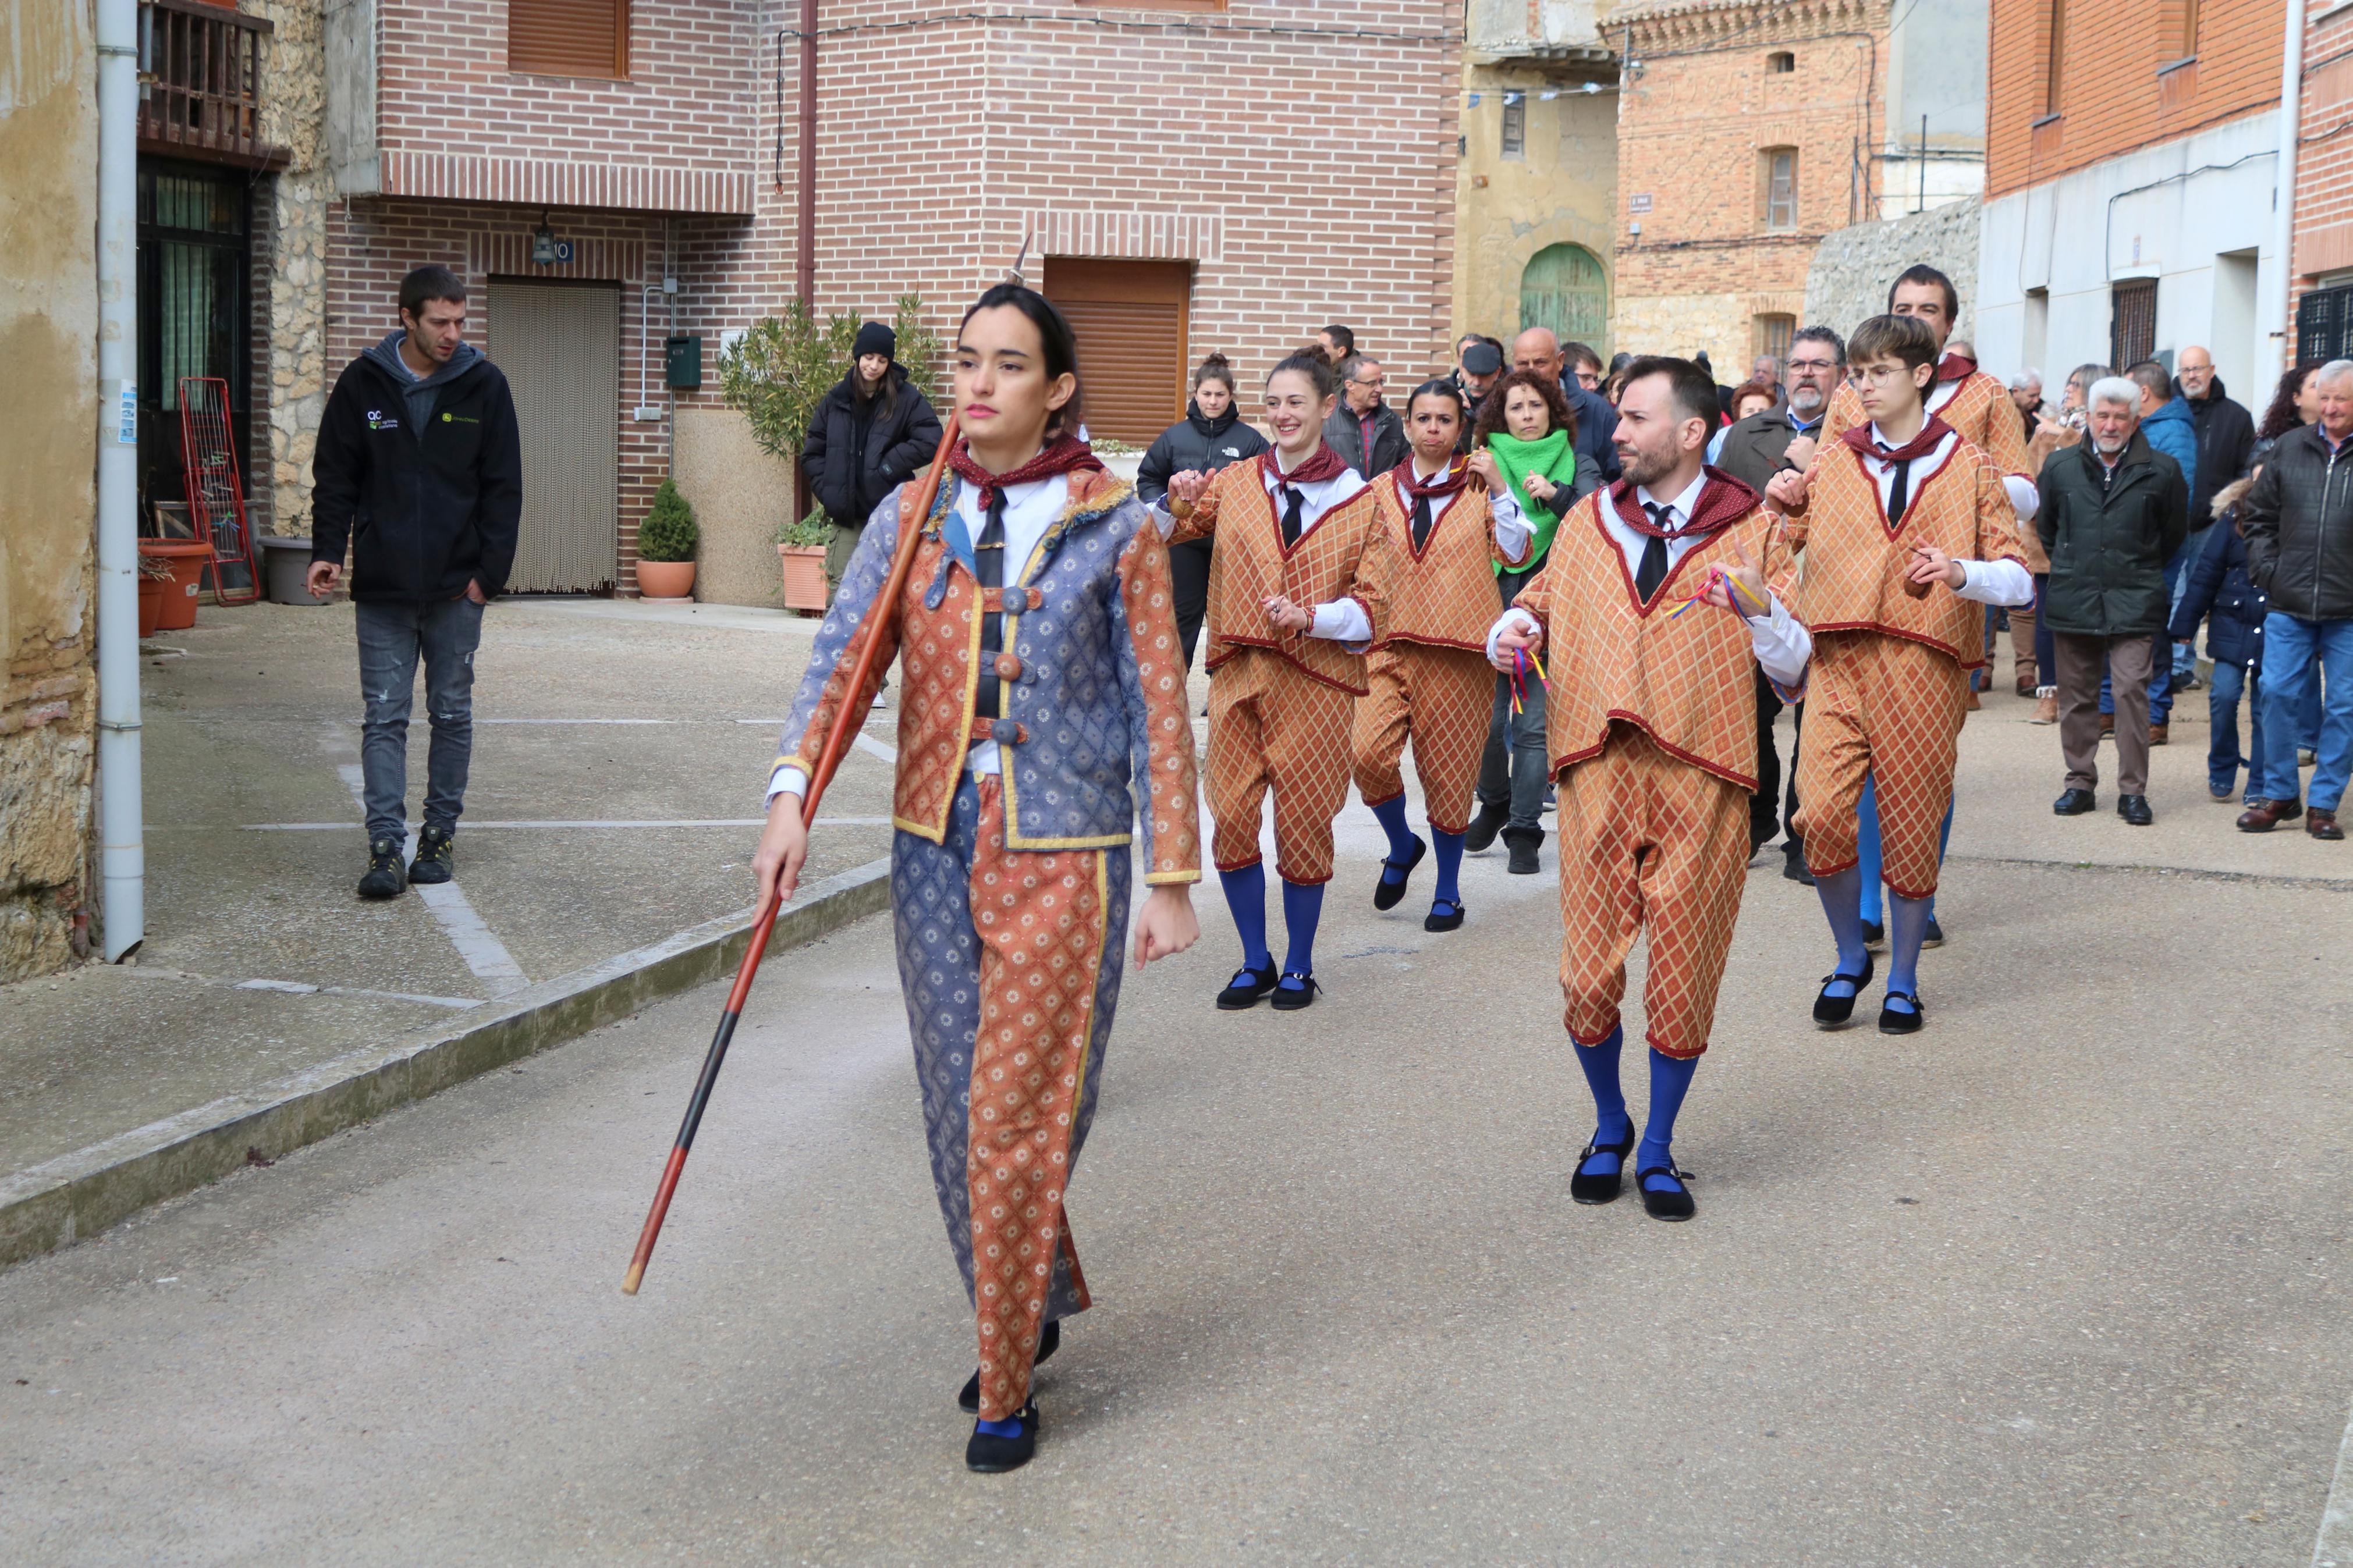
x: 988, y: 569
x: 1421, y: 522
x: 1898, y: 494
x: 1293, y: 500
x: 1654, y: 570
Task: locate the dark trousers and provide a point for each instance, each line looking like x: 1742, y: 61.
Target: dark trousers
x: 1765, y: 801
x: 393, y: 638
x: 2128, y: 661
x: 1516, y: 766
x: 1188, y: 566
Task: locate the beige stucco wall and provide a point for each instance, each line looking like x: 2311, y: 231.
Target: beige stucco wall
x: 1564, y: 191
x: 48, y: 424
x: 739, y: 494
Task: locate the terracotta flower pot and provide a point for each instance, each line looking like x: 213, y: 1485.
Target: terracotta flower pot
x: 187, y: 558
x: 151, y: 603
x: 666, y: 579
x: 804, y: 584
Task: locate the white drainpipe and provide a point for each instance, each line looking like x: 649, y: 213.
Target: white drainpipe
x: 123, y: 861
x: 2291, y: 132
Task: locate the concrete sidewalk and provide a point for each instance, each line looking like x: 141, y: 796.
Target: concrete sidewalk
x: 619, y: 752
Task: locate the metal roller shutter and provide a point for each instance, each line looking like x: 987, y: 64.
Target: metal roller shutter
x: 560, y: 346
x: 1131, y: 320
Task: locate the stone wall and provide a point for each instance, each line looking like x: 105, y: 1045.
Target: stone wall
x: 293, y: 116
x: 48, y: 450
x: 1853, y: 268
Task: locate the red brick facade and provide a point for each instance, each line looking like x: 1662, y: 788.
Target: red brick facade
x: 2323, y: 169
x: 1301, y: 160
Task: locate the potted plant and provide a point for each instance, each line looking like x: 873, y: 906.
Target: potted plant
x: 154, y: 582
x: 666, y: 543
x: 800, y: 548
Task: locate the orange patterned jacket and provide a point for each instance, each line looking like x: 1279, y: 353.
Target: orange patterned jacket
x: 1687, y: 679
x: 1339, y: 558
x: 1445, y: 595
x: 1855, y: 564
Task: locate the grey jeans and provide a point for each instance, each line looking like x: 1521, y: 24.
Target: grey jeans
x: 391, y: 637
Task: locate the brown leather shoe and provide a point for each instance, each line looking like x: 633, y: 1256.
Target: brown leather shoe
x: 2160, y: 734
x: 2046, y: 710
x: 2026, y: 683
x: 2107, y: 724
x: 2323, y: 824
x: 1972, y: 705
x: 2263, y: 816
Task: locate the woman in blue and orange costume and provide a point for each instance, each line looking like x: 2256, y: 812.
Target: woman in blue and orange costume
x: 1043, y: 703
x: 1295, y: 602
x: 1428, y: 674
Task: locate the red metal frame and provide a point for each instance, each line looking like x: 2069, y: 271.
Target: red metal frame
x: 216, y: 493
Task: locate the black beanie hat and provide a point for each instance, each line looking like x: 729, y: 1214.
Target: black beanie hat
x: 874, y: 338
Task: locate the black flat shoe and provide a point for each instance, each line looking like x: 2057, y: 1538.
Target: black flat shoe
x: 2074, y: 803
x: 1287, y: 1000
x: 1793, y: 865
x: 1932, y: 935
x: 1834, y: 1010
x: 1247, y: 987
x: 2134, y: 809
x: 1892, y: 1022
x: 993, y: 1456
x: 1450, y: 920
x: 1485, y: 826
x: 1523, y: 843
x: 1048, y: 1342
x: 1601, y: 1189
x: 1388, y: 895
x: 1874, y: 936
x: 1673, y: 1205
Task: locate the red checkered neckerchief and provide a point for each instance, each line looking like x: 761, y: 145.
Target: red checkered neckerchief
x: 1723, y: 502
x: 1325, y: 464
x: 1955, y: 367
x: 1859, y: 438
x: 1446, y: 481
x: 1063, y: 454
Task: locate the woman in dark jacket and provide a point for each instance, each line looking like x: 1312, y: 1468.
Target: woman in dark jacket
x: 1210, y: 436
x: 2220, y: 593
x: 873, y: 433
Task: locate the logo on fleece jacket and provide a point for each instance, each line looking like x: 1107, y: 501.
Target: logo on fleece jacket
x: 376, y: 420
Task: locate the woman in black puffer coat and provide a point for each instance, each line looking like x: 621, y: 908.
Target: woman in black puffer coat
x: 1210, y: 436
x: 873, y: 433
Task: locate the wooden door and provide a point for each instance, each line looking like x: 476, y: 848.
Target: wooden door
x: 1131, y: 319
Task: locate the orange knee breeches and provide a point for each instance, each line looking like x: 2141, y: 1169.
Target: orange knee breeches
x: 1889, y: 709
x: 1272, y: 726
x: 1442, y: 699
x: 1648, y: 843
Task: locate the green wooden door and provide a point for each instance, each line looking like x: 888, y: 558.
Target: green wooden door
x: 1563, y: 289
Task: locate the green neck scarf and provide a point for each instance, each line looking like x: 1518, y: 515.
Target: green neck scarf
x: 1549, y: 455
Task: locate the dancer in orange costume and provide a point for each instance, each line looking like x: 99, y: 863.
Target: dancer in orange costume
x: 1909, y: 534
x: 1041, y: 675
x: 1295, y: 602
x: 1429, y: 674
x: 1654, y: 604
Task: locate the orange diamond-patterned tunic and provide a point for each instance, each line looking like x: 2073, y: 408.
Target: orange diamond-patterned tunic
x: 1652, y: 725
x: 1010, y: 891
x: 1429, y: 678
x: 1890, y: 684
x: 1280, y: 704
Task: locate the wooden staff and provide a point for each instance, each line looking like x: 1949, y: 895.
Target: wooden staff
x: 847, y: 721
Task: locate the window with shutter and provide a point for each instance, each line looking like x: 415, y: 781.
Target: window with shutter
x: 568, y: 38
x: 1130, y: 318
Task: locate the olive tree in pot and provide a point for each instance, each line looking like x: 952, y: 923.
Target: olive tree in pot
x: 666, y: 543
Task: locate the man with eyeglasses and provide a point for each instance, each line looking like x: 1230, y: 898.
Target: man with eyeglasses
x: 1753, y: 451
x: 1365, y: 431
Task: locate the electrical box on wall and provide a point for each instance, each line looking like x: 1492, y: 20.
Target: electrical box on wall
x: 682, y: 363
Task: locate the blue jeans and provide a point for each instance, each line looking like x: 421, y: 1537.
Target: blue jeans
x: 2293, y: 647
x: 393, y: 638
x: 2177, y: 583
x: 2223, y: 757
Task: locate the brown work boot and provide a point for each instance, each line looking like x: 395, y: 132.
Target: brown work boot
x: 2263, y: 816
x: 2046, y: 706
x: 2160, y: 734
x: 2323, y: 824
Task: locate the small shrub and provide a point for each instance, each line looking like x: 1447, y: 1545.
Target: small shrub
x: 668, y: 532
x: 815, y: 531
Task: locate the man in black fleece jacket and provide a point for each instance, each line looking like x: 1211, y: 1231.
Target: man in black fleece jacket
x: 420, y: 469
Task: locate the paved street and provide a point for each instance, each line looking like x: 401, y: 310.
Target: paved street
x: 2060, y: 1280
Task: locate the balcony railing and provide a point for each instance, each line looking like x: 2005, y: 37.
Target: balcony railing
x: 200, y: 83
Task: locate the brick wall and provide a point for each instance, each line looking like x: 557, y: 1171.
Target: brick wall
x: 2126, y: 80
x: 2324, y: 169
x: 1696, y: 121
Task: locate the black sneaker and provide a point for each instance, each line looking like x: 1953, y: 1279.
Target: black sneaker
x: 1523, y: 843
x: 437, y: 859
x: 1793, y: 863
x: 386, y: 875
x: 1486, y: 825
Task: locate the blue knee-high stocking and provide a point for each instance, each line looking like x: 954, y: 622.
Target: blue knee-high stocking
x: 1907, y: 926
x: 1866, y: 848
x: 1246, y: 898
x: 1450, y: 866
x: 1671, y: 1080
x: 1842, y: 897
x: 1303, y: 907
x: 1392, y: 818
x: 1610, y: 1121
